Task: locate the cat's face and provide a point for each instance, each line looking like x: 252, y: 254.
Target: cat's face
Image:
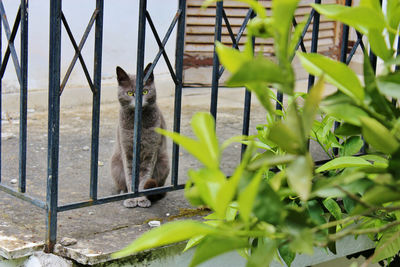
x: 127, y: 89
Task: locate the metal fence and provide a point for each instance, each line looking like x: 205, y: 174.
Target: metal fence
x: 57, y: 19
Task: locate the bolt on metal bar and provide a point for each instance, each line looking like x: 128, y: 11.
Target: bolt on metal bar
x: 53, y: 124
x: 179, y: 50
x: 215, y: 73
x: 10, y: 41
x: 98, y: 47
x: 78, y: 50
x: 139, y: 89
x: 161, y: 46
x: 23, y: 96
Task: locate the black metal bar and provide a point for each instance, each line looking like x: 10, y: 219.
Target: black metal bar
x: 23, y: 196
x: 179, y: 48
x: 139, y: 90
x: 343, y: 56
x: 247, y: 103
x: 314, y: 41
x: 360, y: 43
x: 114, y: 198
x: 239, y: 36
x: 305, y: 30
x: 229, y: 28
x: 161, y: 46
x: 23, y: 97
x: 215, y: 73
x: 301, y: 42
x: 78, y: 50
x: 1, y: 97
x: 54, y: 124
x: 11, y: 41
x: 98, y: 46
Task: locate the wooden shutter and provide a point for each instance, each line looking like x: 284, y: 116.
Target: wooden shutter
x: 199, y: 37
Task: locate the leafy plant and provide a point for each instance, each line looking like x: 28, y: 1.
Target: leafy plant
x: 277, y: 202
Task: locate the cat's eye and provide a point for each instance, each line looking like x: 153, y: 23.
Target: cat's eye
x: 145, y: 91
x: 130, y: 93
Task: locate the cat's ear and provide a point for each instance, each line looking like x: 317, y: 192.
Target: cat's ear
x: 122, y: 76
x: 151, y: 77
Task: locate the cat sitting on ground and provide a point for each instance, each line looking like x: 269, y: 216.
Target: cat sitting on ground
x: 154, y: 163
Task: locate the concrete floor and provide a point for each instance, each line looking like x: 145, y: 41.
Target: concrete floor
x: 100, y: 230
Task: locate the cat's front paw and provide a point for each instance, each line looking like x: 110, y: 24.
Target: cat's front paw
x: 130, y: 203
x: 143, y: 202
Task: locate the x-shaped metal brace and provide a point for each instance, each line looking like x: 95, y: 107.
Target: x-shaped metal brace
x: 161, y: 46
x: 10, y: 38
x: 78, y: 49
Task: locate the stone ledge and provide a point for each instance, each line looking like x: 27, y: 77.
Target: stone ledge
x: 13, y: 248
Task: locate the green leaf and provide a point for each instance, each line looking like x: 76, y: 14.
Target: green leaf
x: 267, y: 197
x: 337, y: 73
x: 333, y: 208
x: 351, y: 146
x: 263, y: 95
x: 210, y: 183
x: 378, y: 136
x: 343, y: 162
x: 378, y: 101
x: 347, y: 129
x: 282, y: 15
x: 257, y: 70
x: 194, y: 241
x: 316, y: 212
x: 168, y: 233
x: 303, y: 242
x: 388, y: 245
x: 297, y: 35
x: 349, y: 204
x: 263, y: 254
x: 311, y: 105
x: 377, y: 195
x: 231, y: 58
x: 378, y: 44
x: 393, y: 17
x: 346, y: 112
x: 389, y: 85
x: 286, y: 254
x: 300, y: 174
x: 203, y: 126
x: 270, y: 160
x: 248, y: 195
x: 212, y: 246
x: 285, y: 138
x: 362, y: 18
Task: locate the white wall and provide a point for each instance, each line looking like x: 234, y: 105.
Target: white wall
x: 119, y: 43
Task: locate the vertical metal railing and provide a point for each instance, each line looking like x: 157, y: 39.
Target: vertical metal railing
x: 53, y: 124
x: 179, y: 50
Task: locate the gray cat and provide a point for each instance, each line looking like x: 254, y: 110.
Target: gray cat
x: 154, y: 163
